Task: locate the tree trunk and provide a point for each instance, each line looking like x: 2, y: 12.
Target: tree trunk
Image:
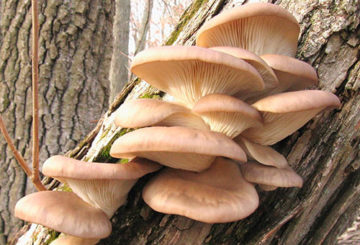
x: 325, y: 152
x: 144, y: 27
x: 75, y: 50
x: 119, y: 73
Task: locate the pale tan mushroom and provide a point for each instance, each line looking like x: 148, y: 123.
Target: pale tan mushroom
x: 270, y: 176
x: 261, y: 153
x: 226, y: 114
x: 102, y: 185
x: 284, y: 113
x: 261, y: 28
x: 267, y: 74
x: 217, y: 195
x: 188, y: 73
x: 149, y: 112
x: 177, y: 147
x: 293, y: 74
x: 64, y: 212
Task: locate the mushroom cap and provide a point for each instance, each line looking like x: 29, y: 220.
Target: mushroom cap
x: 65, y: 167
x: 90, y: 180
x: 188, y: 73
x: 148, y: 112
x: 64, y: 212
x: 271, y: 176
x: 293, y: 74
x: 261, y: 153
x: 267, y: 74
x: 217, y: 195
x: 261, y: 28
x: 226, y: 114
x: 177, y: 147
x: 285, y: 113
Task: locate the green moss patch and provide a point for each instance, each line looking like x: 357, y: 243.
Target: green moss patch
x: 185, y: 18
x: 104, y: 154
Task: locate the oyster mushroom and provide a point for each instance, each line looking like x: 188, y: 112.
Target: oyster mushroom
x: 149, y: 112
x: 217, y: 195
x: 293, y: 74
x: 269, y: 176
x: 261, y: 28
x: 177, y: 147
x: 64, y: 212
x: 267, y: 74
x: 226, y: 114
x: 102, y: 185
x: 188, y: 73
x: 261, y: 153
x: 284, y: 113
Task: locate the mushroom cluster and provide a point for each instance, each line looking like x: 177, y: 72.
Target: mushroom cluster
x: 236, y: 93
x: 98, y: 190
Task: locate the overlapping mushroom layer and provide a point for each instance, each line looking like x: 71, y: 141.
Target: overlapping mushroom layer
x: 243, y: 82
x: 236, y: 95
x: 99, y: 189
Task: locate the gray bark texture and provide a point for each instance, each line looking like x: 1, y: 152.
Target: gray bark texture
x: 144, y: 26
x: 119, y: 73
x: 325, y: 152
x: 74, y: 56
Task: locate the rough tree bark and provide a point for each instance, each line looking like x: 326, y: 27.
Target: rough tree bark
x: 119, y: 73
x: 75, y: 50
x: 325, y: 152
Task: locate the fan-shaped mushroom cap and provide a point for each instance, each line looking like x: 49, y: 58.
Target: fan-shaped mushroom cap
x: 64, y: 212
x: 267, y: 74
x: 148, y: 112
x: 261, y: 28
x: 91, y: 180
x: 226, y: 114
x: 271, y: 176
x: 293, y: 74
x: 284, y: 113
x: 188, y: 73
x: 219, y: 194
x: 66, y: 167
x: 177, y: 147
x: 263, y: 154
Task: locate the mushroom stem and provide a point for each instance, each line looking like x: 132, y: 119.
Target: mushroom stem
x: 35, y: 177
x: 39, y: 186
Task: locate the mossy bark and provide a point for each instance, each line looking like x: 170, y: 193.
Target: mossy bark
x: 325, y: 152
x: 74, y: 55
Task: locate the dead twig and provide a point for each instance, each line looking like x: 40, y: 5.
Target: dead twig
x: 35, y: 177
x: 17, y: 155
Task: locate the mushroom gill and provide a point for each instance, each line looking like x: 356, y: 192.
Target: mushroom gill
x: 188, y: 73
x: 227, y: 115
x: 102, y: 185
